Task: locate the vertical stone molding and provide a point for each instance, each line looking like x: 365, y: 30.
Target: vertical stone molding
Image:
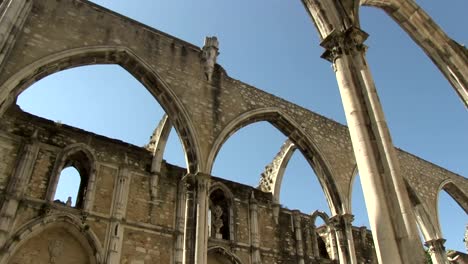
x: 180, y: 223
x: 437, y: 251
x: 309, y: 251
x: 119, y: 209
x: 202, y: 205
x: 16, y: 187
x: 189, y: 183
x: 209, y: 55
x: 298, y: 232
x: 255, y: 236
x: 12, y: 17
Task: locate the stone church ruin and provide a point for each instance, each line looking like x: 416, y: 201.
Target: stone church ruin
x: 133, y: 207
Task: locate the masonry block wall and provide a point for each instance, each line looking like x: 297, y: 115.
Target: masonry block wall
x: 42, y: 228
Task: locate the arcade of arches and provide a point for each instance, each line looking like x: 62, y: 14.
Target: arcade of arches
x: 136, y: 208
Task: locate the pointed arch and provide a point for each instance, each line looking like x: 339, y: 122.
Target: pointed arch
x: 128, y: 60
x: 449, y: 56
x: 72, y: 224
x: 224, y: 252
x: 82, y: 157
x: 296, y: 134
x: 320, y: 214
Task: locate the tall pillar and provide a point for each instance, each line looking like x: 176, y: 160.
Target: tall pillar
x: 16, y: 188
x: 333, y: 243
x: 202, y: 205
x: 390, y: 213
x: 119, y: 210
x: 437, y: 251
x: 344, y: 235
x: 254, y: 231
x: 387, y: 201
x: 298, y: 232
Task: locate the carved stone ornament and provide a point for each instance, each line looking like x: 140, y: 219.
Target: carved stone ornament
x: 343, y: 42
x: 217, y: 221
x: 55, y: 250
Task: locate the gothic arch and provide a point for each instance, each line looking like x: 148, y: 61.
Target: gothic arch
x: 70, y: 223
x: 320, y: 214
x: 456, y: 193
x: 89, y: 163
x: 123, y: 57
x: 449, y: 56
x: 224, y: 252
x: 296, y: 134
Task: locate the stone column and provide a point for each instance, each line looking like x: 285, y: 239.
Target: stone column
x: 437, y: 251
x: 190, y: 218
x: 298, y: 232
x: 315, y: 249
x: 202, y: 205
x: 390, y: 213
x: 309, y: 250
x: 333, y: 243
x: 16, y: 188
x: 347, y: 221
x: 254, y: 231
x: 340, y: 234
x: 119, y: 210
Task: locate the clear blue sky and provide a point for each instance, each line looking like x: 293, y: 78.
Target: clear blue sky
x: 273, y: 45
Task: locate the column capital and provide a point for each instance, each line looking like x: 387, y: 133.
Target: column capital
x: 203, y: 181
x: 346, y: 42
x: 435, y: 244
x: 340, y: 221
x: 188, y: 182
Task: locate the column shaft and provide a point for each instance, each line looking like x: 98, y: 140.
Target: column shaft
x: 201, y: 242
x: 437, y: 251
x: 254, y: 231
x: 387, y: 201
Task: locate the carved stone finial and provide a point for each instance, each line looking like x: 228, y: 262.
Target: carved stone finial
x: 209, y: 55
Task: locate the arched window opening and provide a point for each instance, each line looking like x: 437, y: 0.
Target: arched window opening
x: 219, y: 215
x: 301, y: 188
x: 358, y: 205
x: 322, y: 247
x: 73, y: 180
x: 453, y: 221
x: 102, y: 99
x: 68, y: 187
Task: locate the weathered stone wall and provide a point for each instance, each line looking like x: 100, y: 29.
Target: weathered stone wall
x: 143, y: 241
x: 51, y: 35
